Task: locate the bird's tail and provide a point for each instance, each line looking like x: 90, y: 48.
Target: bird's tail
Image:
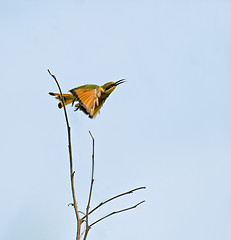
x: 68, y: 98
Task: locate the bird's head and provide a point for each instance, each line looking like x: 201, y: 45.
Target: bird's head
x: 110, y: 86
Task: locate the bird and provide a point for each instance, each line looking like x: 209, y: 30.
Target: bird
x: 90, y: 97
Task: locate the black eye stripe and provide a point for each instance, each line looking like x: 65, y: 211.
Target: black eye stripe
x: 108, y: 87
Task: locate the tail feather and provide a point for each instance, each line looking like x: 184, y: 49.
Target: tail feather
x: 68, y: 98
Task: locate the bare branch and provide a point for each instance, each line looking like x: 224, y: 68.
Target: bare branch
x: 70, y: 157
x: 122, y: 210
x: 110, y: 199
x: 91, y: 187
x: 72, y: 173
x: 83, y: 231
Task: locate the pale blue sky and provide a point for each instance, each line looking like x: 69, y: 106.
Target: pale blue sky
x: 168, y: 128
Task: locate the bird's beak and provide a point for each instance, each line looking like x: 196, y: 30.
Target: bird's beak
x: 119, y: 82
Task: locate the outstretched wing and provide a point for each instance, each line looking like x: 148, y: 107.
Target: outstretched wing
x: 88, y: 97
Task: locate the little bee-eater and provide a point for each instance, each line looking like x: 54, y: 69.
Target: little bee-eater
x: 90, y: 97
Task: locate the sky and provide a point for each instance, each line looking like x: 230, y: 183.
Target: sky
x: 167, y: 128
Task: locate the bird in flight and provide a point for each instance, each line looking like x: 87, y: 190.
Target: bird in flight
x: 90, y: 97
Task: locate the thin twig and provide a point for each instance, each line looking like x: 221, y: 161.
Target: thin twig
x: 71, y: 163
x: 110, y: 199
x: 83, y: 231
x: 122, y: 210
x: 90, y: 193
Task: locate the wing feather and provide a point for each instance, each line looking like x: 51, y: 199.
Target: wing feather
x: 88, y: 97
x: 98, y: 107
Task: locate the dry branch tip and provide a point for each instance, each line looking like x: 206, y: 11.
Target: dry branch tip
x: 91, y: 136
